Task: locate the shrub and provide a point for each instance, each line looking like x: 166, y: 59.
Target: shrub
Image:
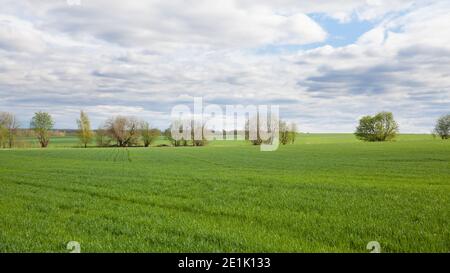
x: 148, y: 134
x: 442, y: 127
x: 381, y: 127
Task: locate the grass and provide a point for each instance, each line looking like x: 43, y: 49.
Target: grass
x: 327, y: 193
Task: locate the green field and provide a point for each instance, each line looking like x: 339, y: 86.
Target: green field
x: 327, y: 193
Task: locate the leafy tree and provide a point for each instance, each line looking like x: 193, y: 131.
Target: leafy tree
x: 442, y: 127
x: 168, y: 134
x: 287, y: 132
x: 3, y: 136
x: 200, y: 128
x: 293, y: 133
x: 148, y: 134
x: 268, y: 128
x: 84, y: 129
x: 42, y: 123
x: 381, y: 127
x: 8, y: 129
x: 284, y: 133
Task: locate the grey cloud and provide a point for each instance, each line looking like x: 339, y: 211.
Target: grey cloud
x: 110, y: 57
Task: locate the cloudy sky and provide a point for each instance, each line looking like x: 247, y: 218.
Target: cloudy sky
x: 326, y: 63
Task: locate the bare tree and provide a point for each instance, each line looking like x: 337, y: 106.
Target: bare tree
x: 254, y: 140
x: 9, y: 126
x: 125, y: 130
x: 84, y: 129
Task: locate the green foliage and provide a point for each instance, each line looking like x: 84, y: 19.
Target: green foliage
x: 171, y: 139
x: 148, y: 134
x: 85, y: 133
x: 257, y: 138
x: 42, y: 123
x: 9, y: 127
x: 187, y: 129
x: 293, y: 133
x: 3, y: 136
x: 199, y: 128
x: 442, y: 127
x: 381, y: 127
x: 287, y: 133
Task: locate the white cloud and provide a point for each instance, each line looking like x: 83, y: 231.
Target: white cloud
x: 142, y: 57
x: 171, y: 25
x: 401, y: 65
x: 20, y: 35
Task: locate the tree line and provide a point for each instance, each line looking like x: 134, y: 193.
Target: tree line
x: 119, y: 131
x: 123, y: 131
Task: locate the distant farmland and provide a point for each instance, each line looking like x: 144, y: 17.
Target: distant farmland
x: 326, y: 193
